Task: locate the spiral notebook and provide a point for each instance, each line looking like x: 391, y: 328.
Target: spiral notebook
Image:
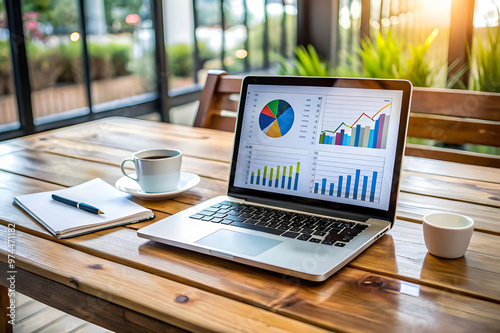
x: 65, y: 221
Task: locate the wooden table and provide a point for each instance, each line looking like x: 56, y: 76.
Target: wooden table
x: 128, y: 284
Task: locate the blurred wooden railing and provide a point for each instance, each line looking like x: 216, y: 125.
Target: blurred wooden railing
x: 58, y: 99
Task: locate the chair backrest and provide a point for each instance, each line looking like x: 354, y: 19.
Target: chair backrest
x: 454, y: 117
x: 217, y: 110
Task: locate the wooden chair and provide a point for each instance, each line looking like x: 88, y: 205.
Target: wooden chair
x: 217, y: 109
x: 453, y: 117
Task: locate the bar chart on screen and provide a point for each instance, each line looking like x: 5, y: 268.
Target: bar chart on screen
x: 356, y: 121
x: 356, y: 177
x: 274, y: 168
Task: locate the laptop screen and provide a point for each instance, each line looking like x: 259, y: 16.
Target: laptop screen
x: 328, y: 142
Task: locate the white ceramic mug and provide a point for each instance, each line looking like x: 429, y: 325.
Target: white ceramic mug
x: 447, y: 235
x: 157, y: 170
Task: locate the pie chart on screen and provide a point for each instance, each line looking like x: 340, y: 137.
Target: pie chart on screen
x: 276, y: 118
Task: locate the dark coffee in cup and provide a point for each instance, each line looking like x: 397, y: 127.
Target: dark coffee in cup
x: 155, y: 157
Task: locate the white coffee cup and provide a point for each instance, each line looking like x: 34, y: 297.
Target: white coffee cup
x: 447, y: 235
x: 157, y: 170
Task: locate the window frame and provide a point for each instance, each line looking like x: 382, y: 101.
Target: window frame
x: 160, y: 101
x: 152, y: 103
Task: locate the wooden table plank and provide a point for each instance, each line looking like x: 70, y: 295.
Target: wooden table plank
x: 9, y: 147
x: 84, y: 306
x: 451, y: 169
x: 60, y: 170
x: 478, y: 192
x: 413, y: 207
x: 402, y: 253
x: 195, y: 310
x: 56, y: 169
x: 364, y: 302
x: 120, y: 132
x: 114, y: 156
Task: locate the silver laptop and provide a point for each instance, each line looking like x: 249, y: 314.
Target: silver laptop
x: 314, y: 176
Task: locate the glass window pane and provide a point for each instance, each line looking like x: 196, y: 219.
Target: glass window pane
x: 402, y: 28
x: 235, y: 34
x: 209, y: 35
x: 290, y: 26
x: 54, y: 49
x: 275, y: 16
x: 429, y: 17
x: 179, y: 36
x: 120, y: 41
x: 255, y: 33
x: 484, y: 74
x: 256, y: 29
x: 486, y: 13
x: 9, y: 117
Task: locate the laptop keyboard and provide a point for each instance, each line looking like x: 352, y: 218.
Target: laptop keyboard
x: 286, y: 224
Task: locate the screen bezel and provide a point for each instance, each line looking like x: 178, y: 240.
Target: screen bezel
x: 382, y: 84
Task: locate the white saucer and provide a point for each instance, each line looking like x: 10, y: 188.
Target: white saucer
x: 188, y: 181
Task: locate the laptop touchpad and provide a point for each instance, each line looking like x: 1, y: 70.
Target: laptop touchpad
x: 232, y: 241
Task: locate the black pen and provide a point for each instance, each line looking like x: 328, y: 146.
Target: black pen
x: 79, y: 205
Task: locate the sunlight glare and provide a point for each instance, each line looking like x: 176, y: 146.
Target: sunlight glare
x: 394, y: 20
x: 355, y: 10
x: 344, y: 20
x: 486, y: 13
x: 241, y: 54
x: 74, y: 36
x: 274, y: 9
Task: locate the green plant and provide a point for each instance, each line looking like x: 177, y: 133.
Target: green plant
x: 234, y: 65
x: 99, y: 50
x: 113, y: 54
x: 4, y: 53
x: 5, y: 69
x: 386, y: 58
x: 486, y: 74
x: 180, y: 59
x: 306, y: 63
x: 45, y: 64
x: 121, y: 55
x: 206, y: 53
x: 36, y: 51
x: 145, y: 67
x: 381, y: 59
x: 418, y: 69
x: 70, y: 52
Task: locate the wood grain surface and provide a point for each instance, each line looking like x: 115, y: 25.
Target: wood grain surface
x: 395, y: 285
x: 163, y: 299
